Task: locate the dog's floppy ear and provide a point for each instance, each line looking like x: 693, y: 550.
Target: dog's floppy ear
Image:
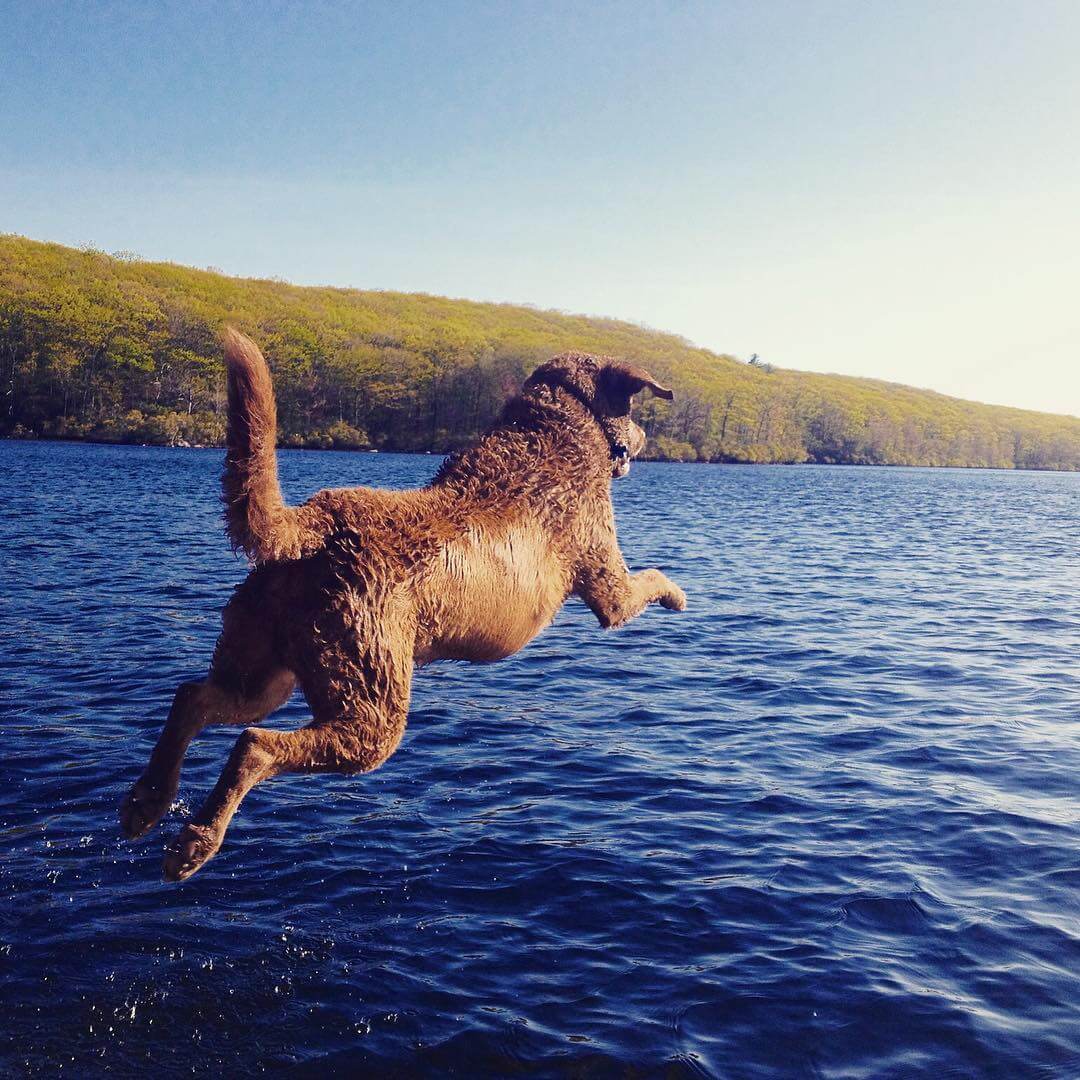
x: 626, y: 380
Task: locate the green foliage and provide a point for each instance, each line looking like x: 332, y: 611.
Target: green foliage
x: 667, y: 449
x: 115, y: 349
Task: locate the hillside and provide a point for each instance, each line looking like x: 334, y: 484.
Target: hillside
x: 110, y: 348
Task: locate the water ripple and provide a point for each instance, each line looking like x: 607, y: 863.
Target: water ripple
x: 823, y: 824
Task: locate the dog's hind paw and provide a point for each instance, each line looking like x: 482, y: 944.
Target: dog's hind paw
x: 146, y: 804
x: 196, y: 845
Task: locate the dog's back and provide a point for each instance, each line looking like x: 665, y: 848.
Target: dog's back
x: 465, y: 584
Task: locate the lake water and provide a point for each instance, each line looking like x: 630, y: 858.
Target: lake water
x: 823, y: 824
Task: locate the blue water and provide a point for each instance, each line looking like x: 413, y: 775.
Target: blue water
x: 823, y: 824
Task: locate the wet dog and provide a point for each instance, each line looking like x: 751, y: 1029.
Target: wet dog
x: 358, y: 586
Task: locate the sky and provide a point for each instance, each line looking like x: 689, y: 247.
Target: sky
x: 879, y: 189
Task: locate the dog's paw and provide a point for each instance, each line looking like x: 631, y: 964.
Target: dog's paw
x: 195, y: 846
x: 146, y: 804
x: 675, y: 600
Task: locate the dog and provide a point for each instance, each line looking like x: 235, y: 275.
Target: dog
x: 354, y: 589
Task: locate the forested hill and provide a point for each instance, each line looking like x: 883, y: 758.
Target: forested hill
x: 110, y: 348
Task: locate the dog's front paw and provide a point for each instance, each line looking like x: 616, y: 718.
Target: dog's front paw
x: 194, y: 847
x: 146, y: 804
x: 674, y: 599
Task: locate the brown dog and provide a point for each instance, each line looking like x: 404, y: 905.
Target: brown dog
x: 358, y: 585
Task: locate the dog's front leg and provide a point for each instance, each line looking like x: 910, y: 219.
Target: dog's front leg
x: 616, y: 596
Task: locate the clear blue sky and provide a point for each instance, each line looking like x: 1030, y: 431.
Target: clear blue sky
x: 886, y: 189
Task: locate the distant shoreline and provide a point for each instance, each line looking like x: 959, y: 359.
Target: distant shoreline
x: 641, y: 460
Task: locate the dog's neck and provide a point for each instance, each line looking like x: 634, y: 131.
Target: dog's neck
x: 619, y: 451
x: 543, y: 412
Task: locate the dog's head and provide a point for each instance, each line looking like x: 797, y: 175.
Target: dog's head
x: 606, y: 387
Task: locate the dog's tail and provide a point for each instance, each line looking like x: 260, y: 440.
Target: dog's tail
x: 257, y: 520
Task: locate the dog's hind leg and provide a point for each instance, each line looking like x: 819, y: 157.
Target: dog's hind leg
x: 360, y: 708
x: 195, y: 706
x: 245, y: 684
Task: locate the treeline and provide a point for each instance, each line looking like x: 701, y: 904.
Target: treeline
x: 110, y: 348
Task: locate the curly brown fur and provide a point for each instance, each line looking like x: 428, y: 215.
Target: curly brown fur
x: 256, y: 518
x: 358, y: 586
